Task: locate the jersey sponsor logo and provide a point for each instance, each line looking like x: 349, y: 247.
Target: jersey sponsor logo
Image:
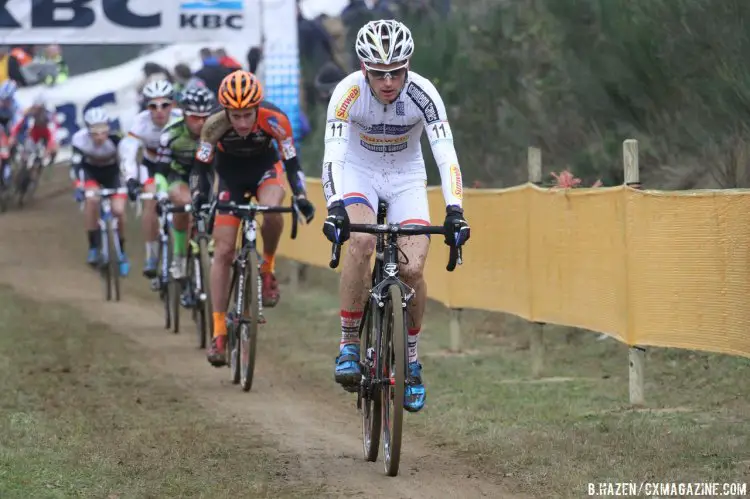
x: 378, y: 144
x: 276, y: 127
x: 204, y: 152
x: 400, y: 108
x: 346, y: 103
x: 385, y: 129
x: 328, y: 188
x: 457, y: 187
x: 287, y: 146
x: 423, y: 102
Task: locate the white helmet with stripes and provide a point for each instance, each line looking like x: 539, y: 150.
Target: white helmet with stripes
x: 96, y: 116
x: 159, y: 89
x: 384, y: 42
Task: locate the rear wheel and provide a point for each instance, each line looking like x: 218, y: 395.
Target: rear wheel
x: 393, y: 348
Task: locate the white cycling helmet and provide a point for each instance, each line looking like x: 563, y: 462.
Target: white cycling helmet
x: 158, y: 89
x: 384, y: 42
x: 95, y: 116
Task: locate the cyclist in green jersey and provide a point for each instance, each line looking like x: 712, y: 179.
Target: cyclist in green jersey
x: 177, y: 147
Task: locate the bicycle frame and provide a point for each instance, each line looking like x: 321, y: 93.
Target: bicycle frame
x: 247, y: 236
x: 105, y: 215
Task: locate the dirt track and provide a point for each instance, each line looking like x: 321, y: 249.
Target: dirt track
x: 41, y: 256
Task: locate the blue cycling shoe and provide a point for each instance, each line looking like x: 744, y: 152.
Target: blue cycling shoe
x: 414, y: 395
x: 347, y: 372
x: 93, y: 257
x: 124, y: 265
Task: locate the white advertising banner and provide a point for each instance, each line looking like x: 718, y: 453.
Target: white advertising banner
x: 131, y: 21
x: 114, y: 88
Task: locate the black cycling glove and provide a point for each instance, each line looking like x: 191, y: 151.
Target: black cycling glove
x: 336, y: 225
x: 457, y: 230
x: 134, y: 188
x: 306, y: 208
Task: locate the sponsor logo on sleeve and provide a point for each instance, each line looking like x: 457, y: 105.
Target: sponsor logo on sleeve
x: 346, y: 103
x: 423, y: 102
x: 457, y: 188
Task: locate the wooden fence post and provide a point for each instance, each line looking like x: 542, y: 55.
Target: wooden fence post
x: 536, y: 339
x: 636, y: 354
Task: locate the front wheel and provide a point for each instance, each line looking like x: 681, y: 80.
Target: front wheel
x: 369, y: 389
x: 393, y: 348
x: 205, y: 292
x: 249, y: 321
x: 114, y: 261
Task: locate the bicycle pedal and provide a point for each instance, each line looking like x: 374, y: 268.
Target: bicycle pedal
x: 246, y: 320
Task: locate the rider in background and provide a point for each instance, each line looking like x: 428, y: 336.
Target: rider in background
x: 146, y: 131
x: 375, y: 121
x: 40, y: 125
x: 10, y: 114
x: 240, y: 137
x: 95, y: 162
x: 177, y: 147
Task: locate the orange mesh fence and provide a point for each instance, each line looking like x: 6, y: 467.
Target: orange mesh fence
x: 646, y: 267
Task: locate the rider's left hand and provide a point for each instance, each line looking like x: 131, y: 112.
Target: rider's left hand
x: 306, y: 208
x: 457, y: 230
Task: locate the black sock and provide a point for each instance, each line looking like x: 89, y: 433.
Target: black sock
x: 93, y: 239
x: 122, y: 244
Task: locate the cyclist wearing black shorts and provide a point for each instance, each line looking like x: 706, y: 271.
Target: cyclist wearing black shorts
x: 95, y: 164
x: 241, y: 139
x: 175, y: 159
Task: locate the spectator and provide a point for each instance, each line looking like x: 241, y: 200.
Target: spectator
x: 212, y: 72
x: 326, y: 80
x: 60, y: 71
x: 254, y: 56
x: 354, y: 16
x: 227, y: 60
x: 314, y: 51
x: 337, y: 35
x: 10, y: 68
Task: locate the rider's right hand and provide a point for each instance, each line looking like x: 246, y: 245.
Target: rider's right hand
x: 134, y: 188
x: 336, y: 225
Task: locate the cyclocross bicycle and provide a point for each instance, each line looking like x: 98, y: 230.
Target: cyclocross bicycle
x: 110, y: 252
x: 168, y: 287
x: 30, y: 162
x: 382, y: 334
x: 245, y: 313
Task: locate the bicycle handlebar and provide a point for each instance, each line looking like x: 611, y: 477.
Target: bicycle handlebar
x: 250, y: 209
x: 105, y: 193
x: 454, y: 258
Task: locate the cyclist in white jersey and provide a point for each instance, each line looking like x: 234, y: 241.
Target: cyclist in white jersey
x: 372, y: 152
x: 95, y: 164
x: 146, y: 131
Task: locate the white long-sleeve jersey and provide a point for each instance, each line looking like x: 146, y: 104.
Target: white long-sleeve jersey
x: 143, y: 132
x: 365, y: 134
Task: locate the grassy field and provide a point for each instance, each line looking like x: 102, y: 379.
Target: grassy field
x: 80, y: 417
x: 550, y: 437
x: 83, y: 416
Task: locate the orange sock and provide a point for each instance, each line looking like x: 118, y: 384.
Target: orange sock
x: 269, y: 263
x: 220, y: 325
